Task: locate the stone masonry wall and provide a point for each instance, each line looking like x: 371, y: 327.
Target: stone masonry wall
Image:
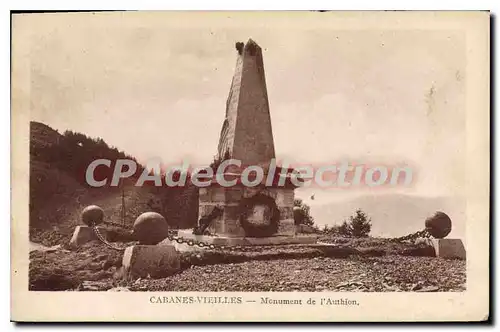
x: 229, y: 198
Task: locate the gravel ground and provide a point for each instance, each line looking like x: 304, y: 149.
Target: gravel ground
x: 374, y: 274
x: 373, y: 268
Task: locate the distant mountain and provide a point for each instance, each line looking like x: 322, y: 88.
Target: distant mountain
x: 394, y: 214
x: 59, y: 192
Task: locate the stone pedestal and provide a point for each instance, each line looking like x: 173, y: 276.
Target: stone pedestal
x: 228, y: 224
x: 449, y: 248
x: 446, y: 248
x: 84, y: 234
x: 150, y: 260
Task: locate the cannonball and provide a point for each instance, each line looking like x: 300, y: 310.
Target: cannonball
x: 150, y: 228
x: 92, y: 215
x: 439, y: 225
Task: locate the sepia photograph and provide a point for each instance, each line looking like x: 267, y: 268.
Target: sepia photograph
x: 235, y: 158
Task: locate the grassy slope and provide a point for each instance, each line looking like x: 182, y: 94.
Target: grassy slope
x: 57, y: 196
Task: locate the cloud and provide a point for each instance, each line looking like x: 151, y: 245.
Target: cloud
x: 155, y: 89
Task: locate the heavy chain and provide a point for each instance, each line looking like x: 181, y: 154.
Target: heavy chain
x: 207, y: 245
x: 410, y: 237
x: 103, y: 240
x: 413, y: 236
x: 170, y: 237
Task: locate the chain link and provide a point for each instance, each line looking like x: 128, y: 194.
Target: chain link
x: 413, y: 236
x: 202, y: 244
x: 171, y: 237
x: 410, y: 237
x: 103, y: 240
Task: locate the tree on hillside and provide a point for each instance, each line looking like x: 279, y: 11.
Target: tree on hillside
x: 301, y: 213
x: 360, y: 224
x: 74, y: 151
x: 345, y: 229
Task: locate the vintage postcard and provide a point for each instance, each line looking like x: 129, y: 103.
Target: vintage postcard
x: 250, y: 166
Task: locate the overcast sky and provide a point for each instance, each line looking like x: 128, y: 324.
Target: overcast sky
x: 158, y: 88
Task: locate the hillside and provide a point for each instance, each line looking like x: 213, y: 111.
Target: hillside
x: 394, y: 214
x: 58, y: 191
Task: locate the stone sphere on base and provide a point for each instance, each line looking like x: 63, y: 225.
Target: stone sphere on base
x: 92, y: 215
x: 150, y: 228
x: 439, y: 225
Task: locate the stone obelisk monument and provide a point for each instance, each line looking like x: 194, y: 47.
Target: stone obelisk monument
x: 247, y: 133
x: 262, y: 214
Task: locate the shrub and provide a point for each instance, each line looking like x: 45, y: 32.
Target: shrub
x: 359, y: 224
x: 302, y: 213
x: 344, y: 229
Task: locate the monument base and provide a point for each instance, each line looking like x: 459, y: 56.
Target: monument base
x: 449, y: 248
x: 150, y: 260
x: 446, y: 248
x: 248, y: 241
